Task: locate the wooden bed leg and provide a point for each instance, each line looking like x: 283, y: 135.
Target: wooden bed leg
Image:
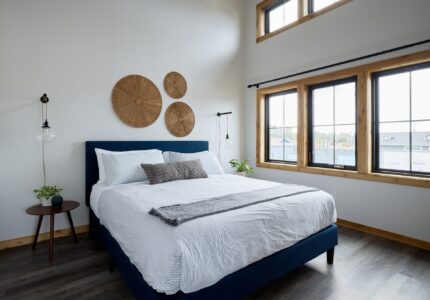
x: 111, y: 266
x: 330, y: 256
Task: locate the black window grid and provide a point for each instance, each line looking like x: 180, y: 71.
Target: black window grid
x: 267, y: 11
x: 311, y: 126
x: 268, y: 128
x: 375, y: 121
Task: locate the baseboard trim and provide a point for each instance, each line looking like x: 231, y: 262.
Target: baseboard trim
x: 26, y: 240
x: 385, y: 234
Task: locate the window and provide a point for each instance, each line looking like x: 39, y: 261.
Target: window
x: 281, y: 126
x: 369, y: 122
x: 401, y: 99
x: 275, y: 16
x: 316, y: 5
x: 280, y: 14
x: 332, y: 124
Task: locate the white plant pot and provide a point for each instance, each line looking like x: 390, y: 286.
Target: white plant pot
x: 241, y: 174
x: 47, y: 202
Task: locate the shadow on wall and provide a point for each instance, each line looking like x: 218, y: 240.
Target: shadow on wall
x: 8, y: 106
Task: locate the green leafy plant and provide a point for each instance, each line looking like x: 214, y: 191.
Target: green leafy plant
x: 241, y: 166
x: 46, y: 192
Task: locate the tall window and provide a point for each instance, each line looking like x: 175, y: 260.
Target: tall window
x: 281, y: 126
x: 316, y: 5
x: 401, y: 99
x: 332, y: 124
x: 280, y: 14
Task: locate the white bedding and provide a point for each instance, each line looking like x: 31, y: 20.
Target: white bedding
x: 200, y: 252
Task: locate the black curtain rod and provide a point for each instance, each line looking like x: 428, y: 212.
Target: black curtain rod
x: 341, y: 63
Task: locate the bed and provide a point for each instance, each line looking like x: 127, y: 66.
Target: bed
x: 247, y: 272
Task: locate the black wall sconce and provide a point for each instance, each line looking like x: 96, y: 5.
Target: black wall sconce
x: 227, y: 139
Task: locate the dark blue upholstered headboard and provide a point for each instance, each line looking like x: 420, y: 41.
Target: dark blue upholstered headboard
x: 91, y: 167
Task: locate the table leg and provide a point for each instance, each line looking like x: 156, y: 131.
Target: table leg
x: 51, y: 239
x: 37, y: 232
x: 69, y: 215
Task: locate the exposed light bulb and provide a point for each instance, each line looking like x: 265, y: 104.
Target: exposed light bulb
x: 228, y: 140
x: 47, y: 135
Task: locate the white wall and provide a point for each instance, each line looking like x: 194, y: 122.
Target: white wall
x: 358, y: 28
x: 76, y: 51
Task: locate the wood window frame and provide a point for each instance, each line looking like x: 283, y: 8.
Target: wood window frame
x: 303, y: 16
x: 364, y: 122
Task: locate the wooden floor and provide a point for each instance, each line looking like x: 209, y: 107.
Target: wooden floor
x: 365, y: 267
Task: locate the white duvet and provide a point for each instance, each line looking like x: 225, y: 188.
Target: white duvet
x: 200, y: 252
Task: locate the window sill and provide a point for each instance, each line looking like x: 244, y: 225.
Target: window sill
x: 387, y: 178
x: 261, y: 36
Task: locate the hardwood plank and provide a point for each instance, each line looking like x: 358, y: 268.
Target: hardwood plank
x: 399, y: 287
x: 365, y: 267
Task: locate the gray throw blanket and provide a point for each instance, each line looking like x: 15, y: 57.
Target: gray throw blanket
x: 180, y: 213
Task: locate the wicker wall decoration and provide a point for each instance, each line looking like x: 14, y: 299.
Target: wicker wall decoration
x: 175, y: 85
x: 179, y: 119
x: 136, y: 100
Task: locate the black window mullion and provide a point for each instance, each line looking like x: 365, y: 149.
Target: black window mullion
x: 310, y: 6
x: 334, y: 125
x: 266, y: 22
x: 375, y: 122
x: 267, y: 128
x: 283, y: 127
x: 410, y: 121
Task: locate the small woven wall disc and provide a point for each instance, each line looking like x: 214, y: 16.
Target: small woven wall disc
x: 136, y: 100
x: 179, y: 119
x: 175, y: 85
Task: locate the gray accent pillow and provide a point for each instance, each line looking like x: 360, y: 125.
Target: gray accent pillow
x: 159, y: 173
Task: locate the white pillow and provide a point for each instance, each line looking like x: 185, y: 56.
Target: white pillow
x: 209, y: 161
x: 100, y: 161
x: 126, y: 167
x: 166, y: 156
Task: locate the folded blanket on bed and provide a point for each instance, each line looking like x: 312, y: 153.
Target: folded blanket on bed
x: 180, y: 213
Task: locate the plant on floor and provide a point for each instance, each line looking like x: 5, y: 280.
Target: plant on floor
x: 46, y: 192
x: 241, y: 166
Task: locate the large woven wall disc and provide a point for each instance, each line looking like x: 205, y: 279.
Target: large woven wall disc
x: 175, y: 85
x: 179, y: 119
x: 136, y: 100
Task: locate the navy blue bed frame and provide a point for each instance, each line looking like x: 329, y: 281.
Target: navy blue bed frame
x: 234, y: 286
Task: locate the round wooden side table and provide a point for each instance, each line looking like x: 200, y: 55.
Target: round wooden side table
x: 39, y: 210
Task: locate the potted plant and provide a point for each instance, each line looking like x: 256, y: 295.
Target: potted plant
x: 241, y: 167
x: 45, y: 194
